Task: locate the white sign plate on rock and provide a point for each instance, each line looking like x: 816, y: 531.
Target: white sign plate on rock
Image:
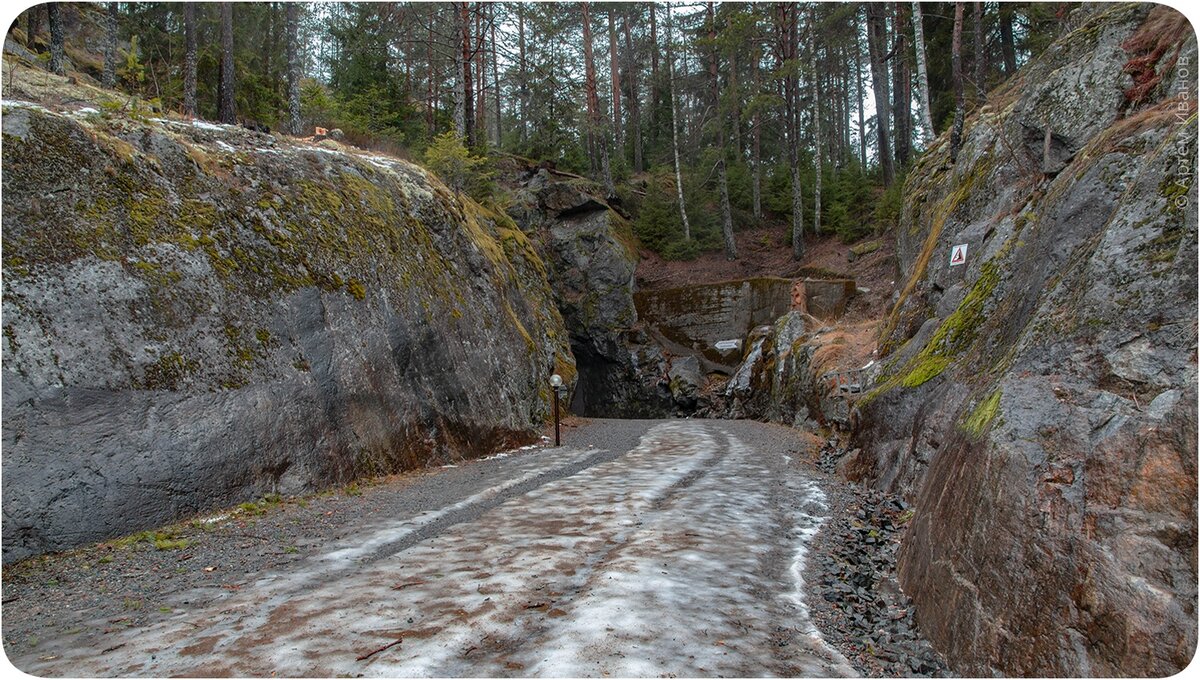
x: 958, y: 255
x: 726, y: 345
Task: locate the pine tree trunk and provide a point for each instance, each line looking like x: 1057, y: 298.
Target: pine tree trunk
x: 726, y: 213
x: 58, y: 60
x: 847, y: 93
x: 615, y: 73
x: 877, y: 47
x: 833, y: 95
x: 267, y: 56
x: 812, y: 63
x: 293, y: 66
x: 922, y: 75
x: 460, y: 99
x: 901, y: 89
x: 862, y: 124
x: 980, y: 58
x: 756, y: 157
x: 1007, y: 47
x: 655, y: 85
x: 735, y: 108
x: 109, y: 76
x: 430, y: 96
x: 481, y: 71
x: 797, y: 213
x: 789, y: 22
x: 722, y: 176
x: 189, y: 59
x: 496, y: 74
x: 467, y: 112
x: 957, y: 77
x: 593, y: 99
x: 226, y: 109
x: 522, y: 72
x: 409, y: 83
x: 41, y: 19
x: 635, y: 106
x: 687, y: 229
x: 610, y: 189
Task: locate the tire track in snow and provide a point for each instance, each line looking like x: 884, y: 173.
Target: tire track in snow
x: 473, y: 507
x: 662, y: 559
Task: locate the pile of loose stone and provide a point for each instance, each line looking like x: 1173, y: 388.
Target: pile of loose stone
x: 855, y: 599
x: 831, y: 453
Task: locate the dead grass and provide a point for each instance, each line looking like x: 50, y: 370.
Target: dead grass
x: 1163, y: 29
x: 1174, y: 109
x: 38, y: 85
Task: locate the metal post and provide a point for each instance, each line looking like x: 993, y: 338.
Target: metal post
x: 556, y: 383
x: 556, y: 400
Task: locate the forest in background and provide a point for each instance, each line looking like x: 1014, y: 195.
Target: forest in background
x: 698, y: 118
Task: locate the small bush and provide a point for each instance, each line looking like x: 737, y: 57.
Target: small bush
x: 682, y: 250
x: 658, y: 224
x: 171, y: 544
x: 251, y: 508
x: 887, y: 209
x: 462, y: 171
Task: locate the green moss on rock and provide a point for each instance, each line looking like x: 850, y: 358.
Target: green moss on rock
x: 983, y: 415
x: 169, y: 372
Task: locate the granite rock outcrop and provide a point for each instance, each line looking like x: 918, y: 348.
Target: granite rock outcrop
x: 1037, y: 405
x: 198, y: 315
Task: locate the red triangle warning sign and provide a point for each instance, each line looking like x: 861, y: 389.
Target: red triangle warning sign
x: 958, y: 254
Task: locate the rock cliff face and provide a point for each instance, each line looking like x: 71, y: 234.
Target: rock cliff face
x: 1038, y: 404
x: 196, y: 315
x: 711, y: 321
x: 591, y: 255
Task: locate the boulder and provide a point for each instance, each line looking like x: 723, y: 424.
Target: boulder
x: 19, y: 51
x: 563, y: 199
x: 591, y: 254
x: 196, y: 315
x: 863, y: 249
x: 776, y: 380
x: 686, y: 381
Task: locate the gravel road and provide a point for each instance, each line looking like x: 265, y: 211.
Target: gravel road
x: 640, y: 548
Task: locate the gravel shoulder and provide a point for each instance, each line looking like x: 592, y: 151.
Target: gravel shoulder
x: 851, y: 586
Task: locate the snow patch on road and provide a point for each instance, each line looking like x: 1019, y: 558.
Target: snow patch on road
x: 671, y: 559
x: 400, y: 531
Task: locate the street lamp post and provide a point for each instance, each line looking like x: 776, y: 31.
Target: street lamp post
x: 557, y: 384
